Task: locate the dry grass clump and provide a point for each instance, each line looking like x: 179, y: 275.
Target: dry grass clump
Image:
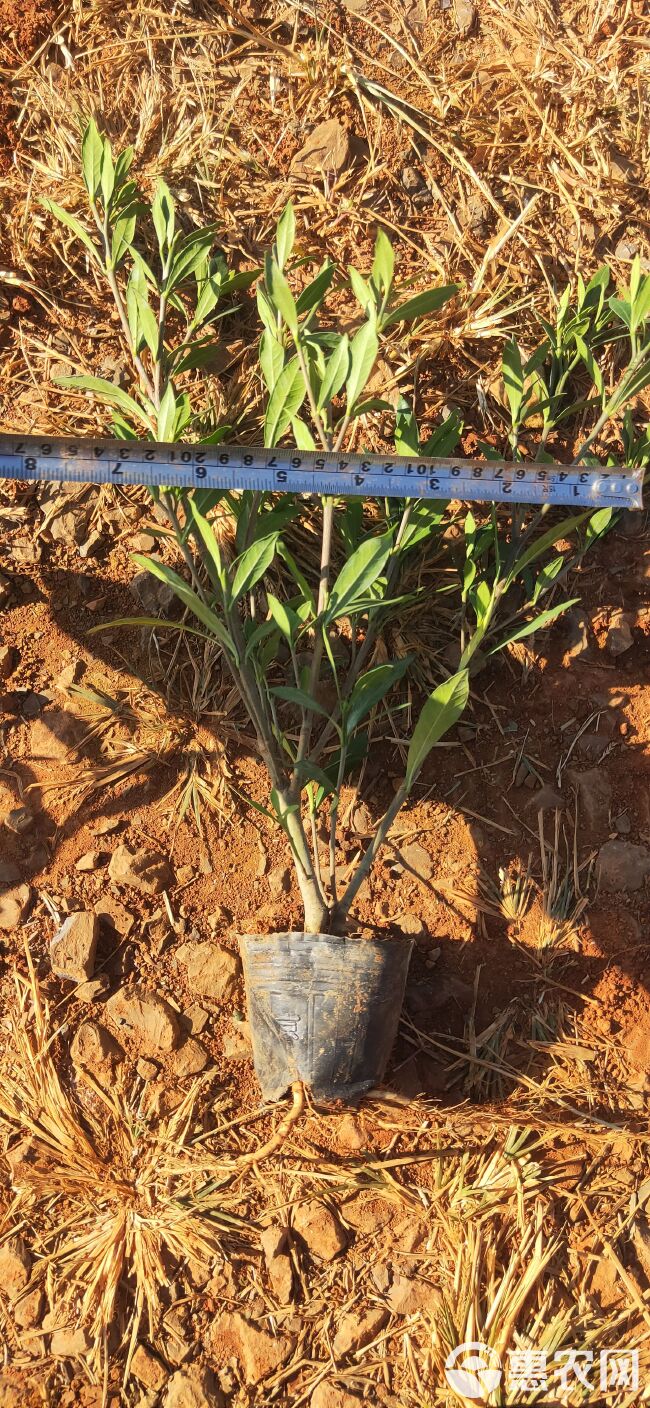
x: 108, y: 1190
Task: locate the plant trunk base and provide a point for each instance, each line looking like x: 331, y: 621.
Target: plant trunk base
x: 323, y: 1010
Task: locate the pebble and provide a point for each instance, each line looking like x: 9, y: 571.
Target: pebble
x: 73, y: 947
x: 7, y: 661
x: 148, y: 1368
x: 193, y: 1388
x: 15, y: 905
x: 190, y: 1059
x: 619, y: 637
x: 146, y: 871
x: 91, y: 860
x: 327, y: 149
x: 19, y: 820
x: 9, y: 873
x: 94, y: 1049
x: 275, y: 1246
x: 356, y: 1331
x: 622, y: 865
x: 150, y: 1019
x: 15, y: 1267
x: 212, y: 971
x: 413, y: 857
x: 28, y: 1311
x: 319, y: 1229
x: 259, y: 1352
x: 594, y: 796
x: 69, y: 1344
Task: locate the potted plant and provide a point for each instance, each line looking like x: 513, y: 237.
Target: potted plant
x: 324, y: 1001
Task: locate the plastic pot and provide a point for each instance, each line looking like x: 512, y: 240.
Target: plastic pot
x: 323, y: 1009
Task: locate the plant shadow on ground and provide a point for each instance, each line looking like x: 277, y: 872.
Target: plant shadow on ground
x: 483, y: 1014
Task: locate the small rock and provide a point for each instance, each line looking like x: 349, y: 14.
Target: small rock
x: 195, y: 1018
x: 146, y: 871
x: 412, y: 179
x: 94, y: 1049
x: 319, y: 1229
x: 107, y: 825
x: 28, y: 1311
x: 328, y: 1395
x: 409, y: 1295
x: 155, y: 596
x: 275, y: 1242
x: 15, y: 905
x: 258, y: 1352
x: 69, y: 1344
x: 152, y: 1021
x: 69, y: 675
x: 356, y: 1331
x: 148, y: 1368
x: 147, y: 1070
x: 91, y: 860
x: 280, y: 881
x: 327, y: 149
x: 73, y: 948
x: 15, y: 1267
x: 193, y: 1388
x: 237, y: 1042
x: 623, y: 824
x: 19, y: 820
x: 576, y: 626
x: 89, y: 992
x: 594, y: 796
x: 591, y: 747
x: 547, y: 799
x: 7, y: 661
x: 54, y: 736
x: 9, y: 873
x: 415, y: 858
x: 619, y: 636
x: 411, y: 924
x: 465, y: 14
x: 622, y: 865
x: 114, y: 915
x: 349, y: 1134
x: 212, y: 971
x: 190, y: 1059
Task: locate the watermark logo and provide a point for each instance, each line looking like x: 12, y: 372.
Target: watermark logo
x: 473, y: 1369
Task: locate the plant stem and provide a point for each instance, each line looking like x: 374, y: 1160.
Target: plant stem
x: 143, y: 374
x: 616, y: 399
x: 323, y: 588
x: 341, y: 910
x: 316, y: 416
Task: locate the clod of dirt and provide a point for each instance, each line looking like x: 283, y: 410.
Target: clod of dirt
x: 195, y: 1018
x: 330, y: 1396
x: 150, y: 1019
x: 415, y: 859
x: 547, y: 799
x: 237, y: 1042
x: 9, y: 873
x: 327, y: 149
x: 114, y: 915
x: 28, y: 1311
x: 7, y: 661
x: 194, y: 1388
x: 91, y: 860
x: 94, y: 1049
x: 212, y: 971
x: 319, y: 1229
x: 619, y: 636
x: 465, y: 15
x: 68, y: 1344
x: 411, y: 925
x: 89, y: 992
x: 356, y: 1331
x: 280, y: 881
x: 636, y: 1041
x: 577, y: 627
x: 275, y: 1244
x: 18, y: 820
x: 148, y: 1368
x: 190, y: 1059
x: 153, y: 595
x: 15, y: 905
x: 349, y: 1134
x: 259, y: 1353
x: 622, y: 865
x: 15, y: 1267
x: 73, y: 948
x: 54, y: 736
x: 409, y: 1295
x: 69, y: 675
x: 594, y: 796
x: 146, y: 871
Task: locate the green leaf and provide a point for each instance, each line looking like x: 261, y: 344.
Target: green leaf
x: 312, y: 296
x: 285, y: 619
x: 359, y: 573
x: 548, y: 574
x: 513, y: 378
x: 445, y: 437
x: 299, y: 696
x: 598, y: 524
x: 336, y: 372
x: 187, y: 596
x: 74, y: 225
x: 383, y: 264
x: 122, y: 167
x: 123, y: 232
x: 166, y: 413
x: 371, y: 688
x: 164, y: 218
x: 107, y: 174
x: 252, y: 565
x: 538, y: 624
x: 363, y: 351
x: 302, y: 434
x: 286, y: 399
x: 187, y: 256
x: 547, y: 540
x: 422, y: 303
x: 298, y: 577
x: 407, y: 437
x: 92, y: 148
x: 279, y: 294
x: 441, y: 711
x: 271, y: 358
x: 621, y: 309
x: 285, y: 236
x: 107, y: 392
x: 362, y: 290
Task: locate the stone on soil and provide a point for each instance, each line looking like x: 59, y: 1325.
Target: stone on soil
x: 15, y: 1267
x: 619, y: 636
x: 193, y: 1388
x: 409, y: 1295
x: 54, y: 735
x: 19, y: 820
x: 150, y: 1019
x: 15, y: 905
x: 212, y: 971
x: 259, y: 1352
x: 148, y: 1368
x: 91, y: 860
x: 327, y: 148
x: 195, y: 1018
x: 7, y: 661
x: 73, y: 948
x: 190, y: 1059
x: 146, y: 871
x: 275, y: 1244
x: 9, y: 873
x: 356, y: 1331
x: 320, y: 1230
x: 28, y: 1311
x: 331, y: 1396
x: 465, y: 14
x: 594, y: 796
x: 69, y: 1344
x: 414, y: 858
x: 622, y: 865
x: 94, y: 1049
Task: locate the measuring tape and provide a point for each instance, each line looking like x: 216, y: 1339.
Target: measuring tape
x: 31, y: 457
